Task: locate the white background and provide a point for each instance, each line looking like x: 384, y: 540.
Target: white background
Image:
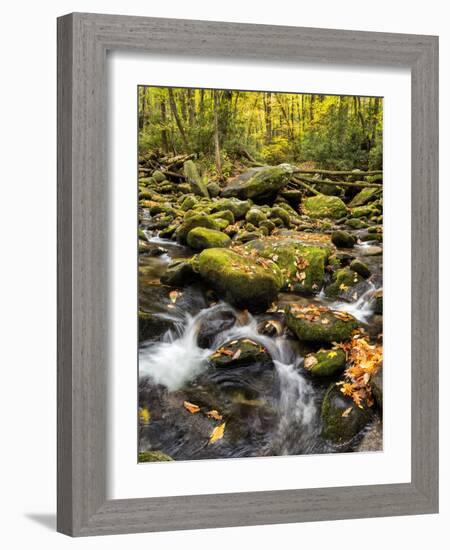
x: 28, y: 301
x: 131, y: 480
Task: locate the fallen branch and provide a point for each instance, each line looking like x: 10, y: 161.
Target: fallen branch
x: 339, y: 172
x: 305, y: 186
x: 341, y: 183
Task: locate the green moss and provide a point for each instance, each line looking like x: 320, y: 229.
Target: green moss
x: 343, y: 279
x: 188, y: 203
x: 282, y: 214
x: 240, y: 280
x: 201, y: 237
x: 364, y: 211
x: 238, y: 207
x: 158, y: 176
x: 364, y: 196
x: 355, y: 223
x: 197, y: 184
x: 255, y: 216
x: 195, y: 220
x: 148, y: 182
x: 323, y: 206
x: 223, y: 215
x: 262, y: 185
x: 154, y: 456
x: 324, y: 327
x: 343, y: 239
x: 325, y: 362
x: 142, y: 235
x: 361, y: 268
x: 338, y: 428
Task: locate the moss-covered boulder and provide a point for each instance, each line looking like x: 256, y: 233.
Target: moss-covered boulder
x: 324, y: 206
x: 361, y: 268
x: 365, y: 211
x: 200, y: 238
x: 260, y: 184
x: 343, y: 281
x: 188, y: 203
x: 364, y: 196
x: 196, y: 220
x: 154, y: 456
x: 302, y: 265
x: 255, y: 216
x: 158, y: 176
x: 325, y: 362
x: 223, y: 215
x: 282, y: 214
x: 238, y: 207
x: 197, y: 184
x: 239, y: 280
x: 319, y: 324
x: 343, y: 239
x: 213, y: 189
x: 341, y: 418
x: 240, y: 353
x: 179, y: 272
x: 356, y: 223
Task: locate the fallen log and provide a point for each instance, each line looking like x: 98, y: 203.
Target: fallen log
x: 339, y: 172
x: 305, y: 186
x: 340, y: 183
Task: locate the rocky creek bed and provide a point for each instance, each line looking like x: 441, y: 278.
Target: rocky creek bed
x: 260, y: 316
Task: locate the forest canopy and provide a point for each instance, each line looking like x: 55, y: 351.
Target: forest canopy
x: 222, y: 126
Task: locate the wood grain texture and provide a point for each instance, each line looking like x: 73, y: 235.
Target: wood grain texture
x: 83, y: 40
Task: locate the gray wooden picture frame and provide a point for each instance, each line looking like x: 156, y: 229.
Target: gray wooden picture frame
x: 83, y: 41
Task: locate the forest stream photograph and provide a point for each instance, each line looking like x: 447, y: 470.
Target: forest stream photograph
x: 260, y: 273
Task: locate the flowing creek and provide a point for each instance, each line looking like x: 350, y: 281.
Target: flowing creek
x: 268, y: 411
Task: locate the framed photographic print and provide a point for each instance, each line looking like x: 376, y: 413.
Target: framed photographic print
x: 247, y: 274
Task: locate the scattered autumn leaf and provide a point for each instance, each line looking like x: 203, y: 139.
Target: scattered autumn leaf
x: 191, y: 407
x: 173, y: 295
x: 309, y: 362
x: 144, y: 415
x: 214, y: 414
x: 217, y: 433
x: 347, y: 412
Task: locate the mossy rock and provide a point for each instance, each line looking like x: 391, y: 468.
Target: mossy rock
x: 343, y: 239
x: 148, y: 181
x: 324, y: 206
x: 168, y: 231
x: 260, y: 184
x: 145, y: 195
x: 377, y: 301
x: 267, y: 224
x: 222, y: 223
x: 154, y: 456
x: 343, y: 280
x: 293, y: 196
x: 255, y: 216
x: 162, y: 208
x: 364, y: 196
x: 302, y: 266
x: 223, y: 215
x: 239, y: 280
x: 158, y: 176
x: 151, y: 326
x: 320, y: 324
x: 240, y: 353
x: 179, y: 272
x: 196, y: 220
x: 200, y: 238
x: 325, y: 362
x: 364, y: 211
x: 356, y: 223
x: 197, y: 184
x: 213, y: 189
x: 238, y: 207
x: 282, y: 214
x: 361, y: 268
x: 188, y: 203
x: 142, y: 235
x: 337, y: 428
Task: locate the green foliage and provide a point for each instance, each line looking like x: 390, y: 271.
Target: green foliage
x: 224, y: 126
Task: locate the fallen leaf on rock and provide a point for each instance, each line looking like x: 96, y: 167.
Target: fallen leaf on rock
x: 173, y: 295
x: 310, y: 362
x: 217, y: 433
x: 144, y: 415
x: 347, y: 412
x: 214, y: 414
x: 236, y: 355
x: 332, y: 354
x: 191, y: 407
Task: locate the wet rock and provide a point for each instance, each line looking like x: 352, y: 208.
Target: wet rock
x: 325, y: 362
x: 158, y: 251
x: 144, y: 246
x: 343, y: 239
x: 376, y: 383
x: 372, y: 440
x: 197, y: 184
x: 336, y: 427
x: 154, y: 456
x: 200, y: 238
x: 239, y: 280
x: 361, y: 268
x: 343, y: 281
x: 151, y: 326
x: 179, y: 273
x: 319, y: 324
x: 364, y: 196
x: 196, y: 220
x: 271, y: 327
x: 324, y: 206
x: 293, y: 196
x: 214, y: 322
x: 371, y: 251
x: 377, y: 301
x: 260, y: 184
x: 240, y: 353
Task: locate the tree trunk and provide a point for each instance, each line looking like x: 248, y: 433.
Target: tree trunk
x: 173, y: 108
x: 216, y: 135
x: 164, y: 140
